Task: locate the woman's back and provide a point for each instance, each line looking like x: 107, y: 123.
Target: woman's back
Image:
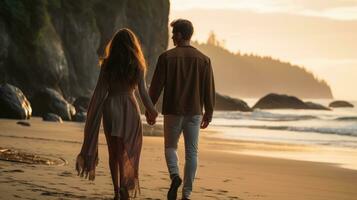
x: 117, y: 87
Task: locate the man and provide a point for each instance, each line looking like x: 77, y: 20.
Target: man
x: 186, y: 76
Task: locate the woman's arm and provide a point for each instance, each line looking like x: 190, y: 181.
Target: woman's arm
x: 145, y: 98
x: 88, y: 158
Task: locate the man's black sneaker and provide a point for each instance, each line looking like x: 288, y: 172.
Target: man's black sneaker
x: 175, y: 184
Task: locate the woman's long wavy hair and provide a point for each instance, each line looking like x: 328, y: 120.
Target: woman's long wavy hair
x: 123, y: 58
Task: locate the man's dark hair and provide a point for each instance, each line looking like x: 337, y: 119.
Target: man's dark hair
x: 182, y: 26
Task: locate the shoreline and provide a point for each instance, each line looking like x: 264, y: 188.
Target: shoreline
x: 334, y: 156
x: 225, y: 170
x: 340, y: 156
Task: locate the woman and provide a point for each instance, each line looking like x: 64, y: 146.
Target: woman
x: 122, y: 71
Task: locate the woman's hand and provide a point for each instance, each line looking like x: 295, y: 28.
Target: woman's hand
x: 151, y: 116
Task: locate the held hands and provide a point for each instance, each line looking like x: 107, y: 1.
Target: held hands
x: 151, y: 117
x: 205, y: 121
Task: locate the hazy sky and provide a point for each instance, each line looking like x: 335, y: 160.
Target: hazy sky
x: 337, y: 9
x: 320, y: 35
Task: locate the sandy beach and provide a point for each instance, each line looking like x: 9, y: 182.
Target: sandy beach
x: 226, y: 170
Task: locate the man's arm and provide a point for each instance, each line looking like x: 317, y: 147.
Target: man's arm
x: 156, y: 86
x: 158, y: 80
x: 209, y: 96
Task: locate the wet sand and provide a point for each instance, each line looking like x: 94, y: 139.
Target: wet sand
x: 223, y: 173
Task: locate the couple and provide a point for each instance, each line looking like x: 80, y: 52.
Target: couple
x: 185, y: 75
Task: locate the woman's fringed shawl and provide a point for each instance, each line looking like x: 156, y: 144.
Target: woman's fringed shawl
x: 87, y: 160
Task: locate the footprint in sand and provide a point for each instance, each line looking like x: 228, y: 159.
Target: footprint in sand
x: 22, y: 123
x: 227, y: 180
x: 234, y: 197
x: 209, y: 196
x: 148, y: 175
x: 78, y: 188
x: 61, y: 194
x: 207, y: 189
x: 163, y: 188
x: 14, y: 170
x: 220, y: 192
x: 66, y: 174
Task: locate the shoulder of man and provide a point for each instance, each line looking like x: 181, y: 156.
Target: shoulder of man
x: 197, y: 53
x: 164, y: 54
x: 202, y: 55
x: 168, y: 52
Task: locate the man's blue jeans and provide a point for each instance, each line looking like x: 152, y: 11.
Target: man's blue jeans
x: 174, y: 125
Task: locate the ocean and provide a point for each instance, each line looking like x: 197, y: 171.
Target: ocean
x: 337, y: 127
x: 307, y: 135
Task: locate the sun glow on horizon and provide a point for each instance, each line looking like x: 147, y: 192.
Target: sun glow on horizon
x: 332, y: 9
x: 319, y: 35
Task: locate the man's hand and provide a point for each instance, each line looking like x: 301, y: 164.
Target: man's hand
x: 151, y: 119
x: 205, y: 121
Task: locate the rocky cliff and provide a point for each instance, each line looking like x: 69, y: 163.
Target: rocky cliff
x: 56, y: 43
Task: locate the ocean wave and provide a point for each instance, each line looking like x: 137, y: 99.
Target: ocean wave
x: 349, y: 118
x: 269, y: 116
x: 264, y: 116
x: 338, y: 131
x: 288, y: 118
